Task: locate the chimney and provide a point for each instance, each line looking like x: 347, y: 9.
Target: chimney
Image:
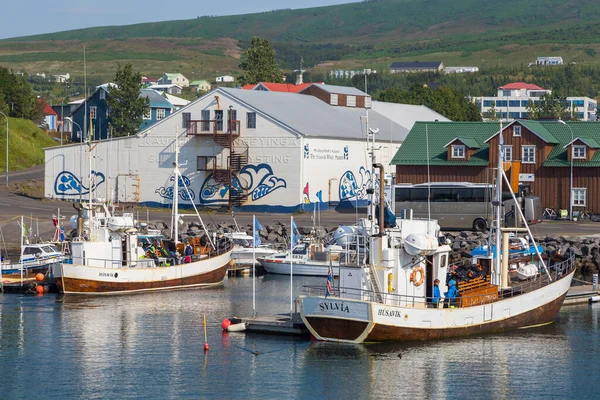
x: 299, y: 79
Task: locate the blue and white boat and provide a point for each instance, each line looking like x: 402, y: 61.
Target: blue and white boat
x: 34, y: 258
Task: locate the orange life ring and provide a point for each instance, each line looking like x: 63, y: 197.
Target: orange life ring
x: 413, y: 276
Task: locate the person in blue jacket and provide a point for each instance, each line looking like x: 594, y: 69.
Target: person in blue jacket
x: 451, y: 294
x: 436, y: 293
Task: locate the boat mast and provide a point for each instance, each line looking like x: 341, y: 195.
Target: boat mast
x: 176, y: 193
x: 498, y: 204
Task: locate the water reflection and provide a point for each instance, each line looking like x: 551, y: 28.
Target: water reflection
x: 151, y: 346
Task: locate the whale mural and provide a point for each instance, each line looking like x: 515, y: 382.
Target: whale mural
x: 68, y: 184
x: 257, y: 180
x: 185, y: 193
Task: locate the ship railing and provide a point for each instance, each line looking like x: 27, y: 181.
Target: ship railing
x: 556, y: 271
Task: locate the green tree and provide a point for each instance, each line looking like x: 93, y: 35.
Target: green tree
x: 491, y: 114
x: 126, y: 108
x: 445, y: 100
x: 550, y: 106
x: 258, y: 63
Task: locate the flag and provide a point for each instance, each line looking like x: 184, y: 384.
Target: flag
x: 329, y: 288
x: 257, y: 229
x: 295, y: 234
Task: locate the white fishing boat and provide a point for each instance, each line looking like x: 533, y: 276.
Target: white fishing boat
x: 243, y: 252
x: 34, y: 258
x: 392, y: 296
x: 314, y: 256
x: 108, y: 257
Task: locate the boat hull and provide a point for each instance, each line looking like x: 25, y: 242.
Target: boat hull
x: 83, y: 279
x: 300, y: 268
x: 344, y: 320
x: 247, y: 257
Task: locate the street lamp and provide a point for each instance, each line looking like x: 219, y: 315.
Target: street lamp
x: 571, y: 178
x: 80, y: 152
x: 6, y: 147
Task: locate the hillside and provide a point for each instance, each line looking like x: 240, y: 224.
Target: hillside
x: 365, y: 34
x: 25, y: 145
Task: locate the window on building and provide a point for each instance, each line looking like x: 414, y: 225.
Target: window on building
x: 506, y: 93
x: 516, y: 130
x: 579, y: 152
x: 205, y: 117
x: 524, y: 103
x: 160, y: 113
x: 219, y: 120
x: 501, y: 103
x: 102, y: 94
x: 251, y: 120
x: 528, y: 154
x: 148, y: 114
x: 487, y: 103
x: 579, y: 195
x: 507, y: 153
x: 205, y: 163
x: 333, y: 100
x: 351, y: 101
x: 185, y: 119
x: 513, y: 114
x: 514, y: 103
x: 92, y: 112
x: 458, y: 151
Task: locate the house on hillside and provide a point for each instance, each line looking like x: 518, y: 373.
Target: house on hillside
x: 174, y: 79
x: 170, y: 88
x: 224, y: 79
x: 61, y: 78
x: 96, y: 111
x: 541, y: 152
x: 549, y: 61
x: 177, y: 102
x: 200, y: 86
x: 417, y: 66
x: 160, y: 107
x: 50, y: 117
x: 512, y: 100
x: 148, y: 81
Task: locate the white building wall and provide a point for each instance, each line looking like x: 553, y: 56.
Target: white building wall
x: 281, y: 163
x: 339, y: 170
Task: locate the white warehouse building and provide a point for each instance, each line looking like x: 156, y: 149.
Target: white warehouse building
x: 251, y: 150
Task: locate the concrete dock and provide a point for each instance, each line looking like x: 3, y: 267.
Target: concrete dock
x: 580, y: 294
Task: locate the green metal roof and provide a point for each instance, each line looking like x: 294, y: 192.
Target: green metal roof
x: 566, y: 133
x: 414, y: 148
x: 171, y: 76
x: 539, y: 129
x: 198, y: 82
x: 470, y: 142
x: 587, y: 141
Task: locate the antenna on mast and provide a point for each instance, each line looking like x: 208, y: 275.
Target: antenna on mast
x: 299, y: 80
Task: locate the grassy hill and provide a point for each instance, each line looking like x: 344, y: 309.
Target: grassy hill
x: 364, y: 34
x: 25, y: 144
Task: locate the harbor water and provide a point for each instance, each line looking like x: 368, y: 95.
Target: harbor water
x: 150, y: 346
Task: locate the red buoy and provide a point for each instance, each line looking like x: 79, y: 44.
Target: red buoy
x: 205, y: 346
x: 39, y: 289
x: 225, y: 324
x: 39, y: 277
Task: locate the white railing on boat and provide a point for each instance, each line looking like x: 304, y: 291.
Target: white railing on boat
x: 555, y: 272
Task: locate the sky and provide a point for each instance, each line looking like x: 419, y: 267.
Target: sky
x: 32, y: 17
